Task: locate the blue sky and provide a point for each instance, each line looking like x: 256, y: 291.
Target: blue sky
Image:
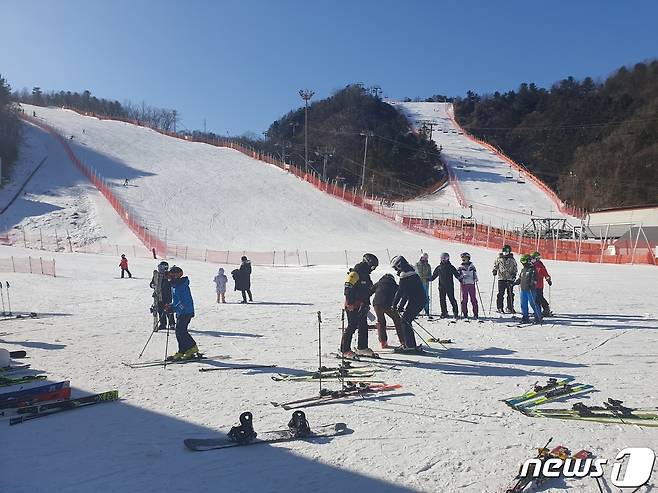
x: 240, y: 64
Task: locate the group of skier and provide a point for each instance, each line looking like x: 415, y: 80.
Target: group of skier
x: 411, y: 296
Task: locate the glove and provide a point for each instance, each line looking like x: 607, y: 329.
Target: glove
x: 494, y: 272
x: 168, y: 308
x: 550, y: 283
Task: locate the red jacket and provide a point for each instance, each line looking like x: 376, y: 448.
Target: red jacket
x: 124, y: 263
x: 542, y: 274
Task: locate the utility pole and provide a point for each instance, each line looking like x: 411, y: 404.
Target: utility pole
x: 306, y: 94
x: 366, y: 134
x: 326, y: 153
x: 428, y: 125
x: 204, y: 125
x: 174, y: 113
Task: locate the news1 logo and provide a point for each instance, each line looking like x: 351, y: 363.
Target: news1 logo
x: 639, y: 465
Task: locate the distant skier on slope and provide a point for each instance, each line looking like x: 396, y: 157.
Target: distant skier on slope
x: 542, y: 273
x: 245, y: 279
x: 220, y: 281
x: 384, y: 292
x: 445, y: 272
x: 528, y: 283
x: 162, y: 295
x: 124, y: 266
x: 424, y: 270
x: 183, y: 305
x: 506, y: 269
x: 412, y: 288
x: 468, y: 278
x: 357, y: 290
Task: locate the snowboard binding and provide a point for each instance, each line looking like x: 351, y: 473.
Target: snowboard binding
x: 244, y: 433
x: 298, y: 425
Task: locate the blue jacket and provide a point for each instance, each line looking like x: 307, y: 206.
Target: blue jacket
x: 182, y: 297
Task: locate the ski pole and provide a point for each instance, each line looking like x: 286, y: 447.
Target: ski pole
x: 166, y: 348
x: 492, y: 292
x: 2, y: 291
x: 155, y: 323
x: 320, y: 348
x: 434, y: 338
x: 8, y: 300
x: 477, y: 287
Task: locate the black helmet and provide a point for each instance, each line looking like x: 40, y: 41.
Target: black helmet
x: 176, y: 272
x: 371, y: 260
x: 163, y: 266
x: 243, y: 258
x: 398, y: 262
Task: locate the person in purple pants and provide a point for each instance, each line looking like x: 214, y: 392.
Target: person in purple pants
x: 468, y: 278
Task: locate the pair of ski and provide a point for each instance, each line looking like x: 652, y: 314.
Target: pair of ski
x: 11, y: 381
x: 202, y: 358
x: 340, y: 373
x: 543, y: 455
x: 347, y: 393
x: 612, y: 411
x: 11, y: 399
x: 40, y: 410
x: 553, y: 390
x: 244, y: 434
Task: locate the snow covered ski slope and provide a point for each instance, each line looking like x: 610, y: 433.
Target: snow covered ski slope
x: 209, y: 197
x: 499, y: 195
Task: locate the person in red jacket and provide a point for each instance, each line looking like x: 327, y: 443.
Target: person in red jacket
x: 124, y: 266
x: 542, y: 274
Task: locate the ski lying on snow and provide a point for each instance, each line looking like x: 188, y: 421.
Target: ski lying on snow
x: 57, y: 395
x: 538, y: 390
x: 5, y: 370
x: 42, y: 410
x: 326, y: 395
x: 568, y: 390
x: 9, y: 381
x: 7, y: 398
x: 148, y: 364
x: 239, y: 367
x: 17, y: 354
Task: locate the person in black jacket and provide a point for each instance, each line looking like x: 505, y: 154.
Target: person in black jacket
x: 245, y: 279
x: 412, y: 288
x: 357, y: 290
x: 162, y: 295
x: 445, y: 271
x: 384, y: 291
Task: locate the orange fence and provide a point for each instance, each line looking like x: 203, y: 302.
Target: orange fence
x: 562, y: 207
x: 452, y: 229
x: 28, y: 265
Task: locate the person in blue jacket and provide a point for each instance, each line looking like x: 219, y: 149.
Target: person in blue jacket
x: 183, y: 305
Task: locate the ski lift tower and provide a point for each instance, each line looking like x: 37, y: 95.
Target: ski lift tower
x: 549, y: 228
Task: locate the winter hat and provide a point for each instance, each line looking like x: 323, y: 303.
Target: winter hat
x: 243, y: 258
x: 445, y: 257
x: 220, y: 270
x: 176, y: 271
x: 424, y: 257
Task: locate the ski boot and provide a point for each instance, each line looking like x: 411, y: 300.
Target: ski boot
x: 366, y: 352
x: 384, y: 345
x: 192, y: 353
x: 298, y: 425
x: 349, y: 354
x: 175, y: 357
x: 443, y: 315
x: 547, y: 313
x: 244, y: 433
x: 525, y: 320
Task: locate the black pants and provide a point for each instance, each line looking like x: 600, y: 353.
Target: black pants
x: 246, y: 292
x: 414, y: 307
x: 356, y: 320
x: 183, y: 337
x: 450, y: 293
x: 164, y: 317
x: 540, y: 300
x: 505, y: 287
x: 125, y: 270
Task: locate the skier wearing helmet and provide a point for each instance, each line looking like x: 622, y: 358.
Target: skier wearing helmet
x: 162, y: 295
x: 183, y: 305
x: 542, y: 273
x: 424, y: 270
x: 411, y: 287
x: 506, y: 269
x: 445, y: 272
x: 468, y: 277
x: 528, y: 282
x: 357, y: 291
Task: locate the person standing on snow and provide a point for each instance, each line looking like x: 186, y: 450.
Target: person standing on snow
x: 245, y: 279
x: 183, y: 304
x: 468, y: 278
x: 220, y: 285
x: 411, y: 288
x: 357, y: 290
x: 424, y: 270
x: 445, y: 271
x: 162, y: 295
x: 542, y: 274
x: 528, y: 283
x: 506, y: 269
x: 124, y: 266
x: 384, y: 291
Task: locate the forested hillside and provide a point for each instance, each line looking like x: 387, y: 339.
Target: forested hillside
x: 399, y: 162
x: 10, y: 127
x: 595, y: 143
